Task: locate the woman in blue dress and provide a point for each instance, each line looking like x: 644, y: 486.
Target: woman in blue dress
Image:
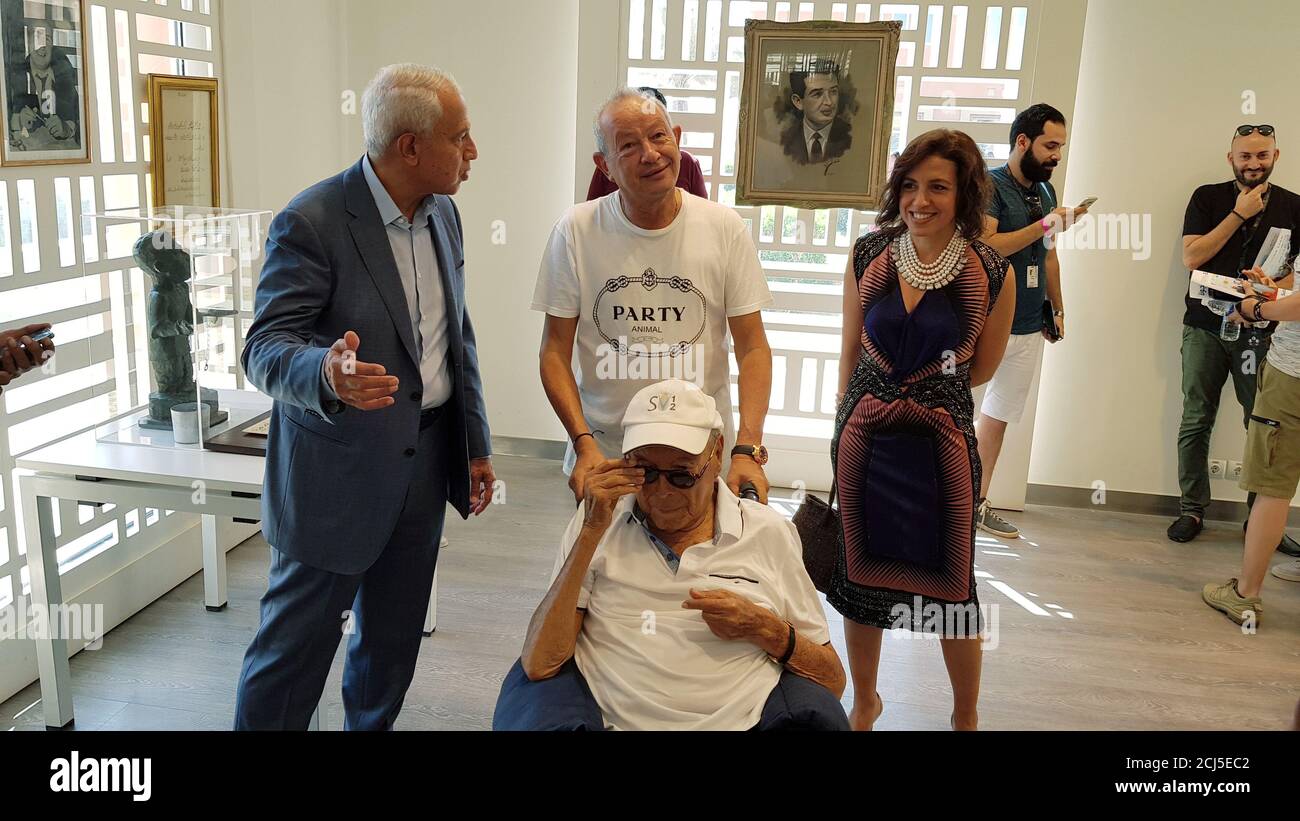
x: 925, y: 319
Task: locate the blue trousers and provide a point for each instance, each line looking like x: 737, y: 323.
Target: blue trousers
x: 307, y: 610
x: 565, y: 702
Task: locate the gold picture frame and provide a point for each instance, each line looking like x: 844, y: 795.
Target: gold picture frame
x: 816, y: 113
x: 42, y: 126
x: 184, y: 141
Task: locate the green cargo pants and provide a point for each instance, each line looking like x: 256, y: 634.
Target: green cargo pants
x: 1207, y: 361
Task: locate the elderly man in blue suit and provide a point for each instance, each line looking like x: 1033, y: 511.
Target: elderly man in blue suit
x: 362, y: 338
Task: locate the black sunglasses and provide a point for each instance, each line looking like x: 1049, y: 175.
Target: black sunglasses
x: 1034, y: 207
x: 681, y: 479
x: 1264, y: 130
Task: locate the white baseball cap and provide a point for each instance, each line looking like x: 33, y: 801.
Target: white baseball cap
x: 672, y: 412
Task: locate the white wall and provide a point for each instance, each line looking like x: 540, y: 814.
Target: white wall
x: 1160, y: 90
x: 282, y: 91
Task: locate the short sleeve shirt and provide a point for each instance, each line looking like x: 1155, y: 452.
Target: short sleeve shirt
x: 1012, y: 205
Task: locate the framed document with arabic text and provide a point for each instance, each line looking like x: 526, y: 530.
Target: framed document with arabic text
x: 183, y: 141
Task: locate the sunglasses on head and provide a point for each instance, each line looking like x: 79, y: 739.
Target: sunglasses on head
x: 1264, y: 130
x: 681, y: 479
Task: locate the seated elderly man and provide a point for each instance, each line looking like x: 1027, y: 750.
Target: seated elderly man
x: 674, y: 604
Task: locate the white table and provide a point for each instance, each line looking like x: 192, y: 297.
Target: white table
x: 82, y: 468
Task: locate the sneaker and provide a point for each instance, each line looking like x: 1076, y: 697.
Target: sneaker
x: 990, y: 522
x: 1289, y: 571
x: 1184, y: 529
x: 1226, y: 599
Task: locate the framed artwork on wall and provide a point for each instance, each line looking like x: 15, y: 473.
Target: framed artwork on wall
x: 183, y: 141
x: 816, y: 111
x: 43, y: 82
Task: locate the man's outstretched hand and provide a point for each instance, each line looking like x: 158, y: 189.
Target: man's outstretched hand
x: 362, y: 385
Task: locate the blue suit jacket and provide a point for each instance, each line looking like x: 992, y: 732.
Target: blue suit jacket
x: 336, y: 477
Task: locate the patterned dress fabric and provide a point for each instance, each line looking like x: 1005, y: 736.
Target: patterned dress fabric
x: 903, y: 453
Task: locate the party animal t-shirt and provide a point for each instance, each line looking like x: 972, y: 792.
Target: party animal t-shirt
x: 652, y: 304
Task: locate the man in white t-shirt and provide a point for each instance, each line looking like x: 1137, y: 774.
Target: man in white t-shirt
x: 648, y: 280
x: 674, y: 605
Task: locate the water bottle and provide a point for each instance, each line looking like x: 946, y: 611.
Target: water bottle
x: 1229, y: 331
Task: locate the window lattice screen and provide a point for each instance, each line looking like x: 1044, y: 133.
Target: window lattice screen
x: 965, y: 66
x: 99, y: 321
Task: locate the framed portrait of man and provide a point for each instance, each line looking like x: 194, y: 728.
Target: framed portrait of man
x: 816, y: 111
x: 43, y: 82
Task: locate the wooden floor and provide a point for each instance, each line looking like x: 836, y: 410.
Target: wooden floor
x: 1121, y: 639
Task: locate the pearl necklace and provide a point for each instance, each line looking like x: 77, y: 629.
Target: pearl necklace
x: 933, y: 275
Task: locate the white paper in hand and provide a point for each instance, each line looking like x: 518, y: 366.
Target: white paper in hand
x: 1273, y: 253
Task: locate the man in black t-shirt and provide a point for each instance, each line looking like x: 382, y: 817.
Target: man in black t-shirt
x: 1223, y: 231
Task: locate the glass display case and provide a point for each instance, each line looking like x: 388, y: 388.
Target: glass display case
x: 186, y: 301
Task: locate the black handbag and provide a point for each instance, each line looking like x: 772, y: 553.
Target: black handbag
x: 820, y: 532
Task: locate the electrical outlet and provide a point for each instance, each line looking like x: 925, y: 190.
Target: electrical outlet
x: 1234, y: 470
x: 1218, y: 468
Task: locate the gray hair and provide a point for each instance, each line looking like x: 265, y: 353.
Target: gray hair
x: 402, y: 98
x: 624, y: 93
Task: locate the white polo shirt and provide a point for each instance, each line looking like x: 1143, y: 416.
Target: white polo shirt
x: 653, y: 665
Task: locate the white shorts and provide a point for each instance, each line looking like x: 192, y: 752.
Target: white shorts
x: 1004, y: 398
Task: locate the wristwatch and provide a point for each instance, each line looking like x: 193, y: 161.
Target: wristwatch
x: 756, y: 452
